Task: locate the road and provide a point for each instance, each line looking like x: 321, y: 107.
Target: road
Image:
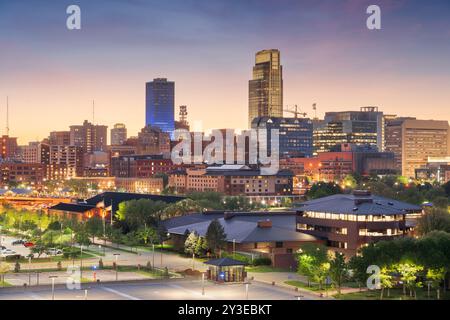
x: 164, y: 290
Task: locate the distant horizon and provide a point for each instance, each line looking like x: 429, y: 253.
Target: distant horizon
x: 207, y: 48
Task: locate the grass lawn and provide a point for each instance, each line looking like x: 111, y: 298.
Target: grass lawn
x: 86, y: 255
x: 395, y: 294
x: 4, y: 284
x: 314, y: 287
x: 265, y: 269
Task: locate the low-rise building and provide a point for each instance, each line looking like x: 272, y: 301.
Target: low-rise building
x: 231, y: 180
x: 256, y: 234
x: 351, y: 221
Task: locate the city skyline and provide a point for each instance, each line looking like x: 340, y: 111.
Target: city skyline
x: 329, y: 58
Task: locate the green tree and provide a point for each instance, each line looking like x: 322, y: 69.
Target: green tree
x: 82, y: 238
x: 434, y: 220
x: 322, y: 189
x: 132, y: 239
x: 238, y: 203
x: 436, y: 276
x: 349, y: 182
x: 386, y: 281
x: 441, y: 202
x: 136, y: 213
x: 313, y: 262
x: 215, y: 236
x: 94, y: 227
x: 190, y: 243
x: 4, y: 269
x: 148, y: 235
x: 208, y: 200
x: 201, y: 246
x: 409, y: 273
x: 338, y: 270
x: 180, y: 208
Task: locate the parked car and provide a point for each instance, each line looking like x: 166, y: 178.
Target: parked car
x: 28, y: 244
x: 17, y: 242
x: 8, y: 251
x: 54, y: 252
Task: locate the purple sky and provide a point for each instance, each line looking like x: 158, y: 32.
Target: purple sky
x: 329, y: 57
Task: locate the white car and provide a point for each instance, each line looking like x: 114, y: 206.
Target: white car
x: 8, y: 251
x: 54, y: 252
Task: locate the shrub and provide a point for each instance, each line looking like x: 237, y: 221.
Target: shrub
x: 17, y: 267
x: 262, y: 261
x: 71, y: 252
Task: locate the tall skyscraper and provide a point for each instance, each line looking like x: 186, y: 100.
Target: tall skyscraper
x: 118, y: 134
x: 89, y: 137
x: 265, y: 90
x: 160, y: 104
x: 414, y: 141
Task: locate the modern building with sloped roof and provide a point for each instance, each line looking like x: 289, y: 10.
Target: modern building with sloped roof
x: 350, y: 221
x: 265, y: 234
x: 105, y: 203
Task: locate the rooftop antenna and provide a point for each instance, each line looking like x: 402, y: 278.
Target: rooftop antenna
x: 7, y: 115
x: 93, y: 111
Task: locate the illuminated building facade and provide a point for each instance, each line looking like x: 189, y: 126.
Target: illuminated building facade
x: 266, y: 86
x: 351, y: 221
x: 414, y: 141
x: 118, y: 134
x: 160, y: 104
x: 295, y: 135
x: 364, y: 127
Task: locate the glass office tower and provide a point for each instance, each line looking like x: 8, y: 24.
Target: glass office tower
x: 266, y: 88
x: 160, y: 104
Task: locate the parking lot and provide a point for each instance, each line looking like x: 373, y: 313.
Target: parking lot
x: 6, y: 241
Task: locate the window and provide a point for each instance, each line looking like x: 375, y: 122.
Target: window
x: 279, y: 244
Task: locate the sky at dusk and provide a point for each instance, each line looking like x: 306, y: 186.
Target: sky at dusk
x: 52, y: 74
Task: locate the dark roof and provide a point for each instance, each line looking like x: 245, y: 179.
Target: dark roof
x: 117, y: 197
x: 362, y: 204
x: 225, y: 262
x: 243, y: 227
x: 72, y: 207
x: 248, y: 173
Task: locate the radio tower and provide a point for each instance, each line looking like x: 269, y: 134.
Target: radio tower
x: 7, y: 115
x: 183, y: 115
x: 93, y: 111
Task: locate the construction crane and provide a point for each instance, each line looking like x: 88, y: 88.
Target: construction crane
x: 296, y: 112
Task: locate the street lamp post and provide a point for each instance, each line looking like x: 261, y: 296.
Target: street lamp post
x: 203, y: 283
x: 29, y: 271
x: 53, y: 286
x: 162, y: 246
x: 81, y: 262
x: 246, y: 290
x: 117, y: 266
x: 153, y: 256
